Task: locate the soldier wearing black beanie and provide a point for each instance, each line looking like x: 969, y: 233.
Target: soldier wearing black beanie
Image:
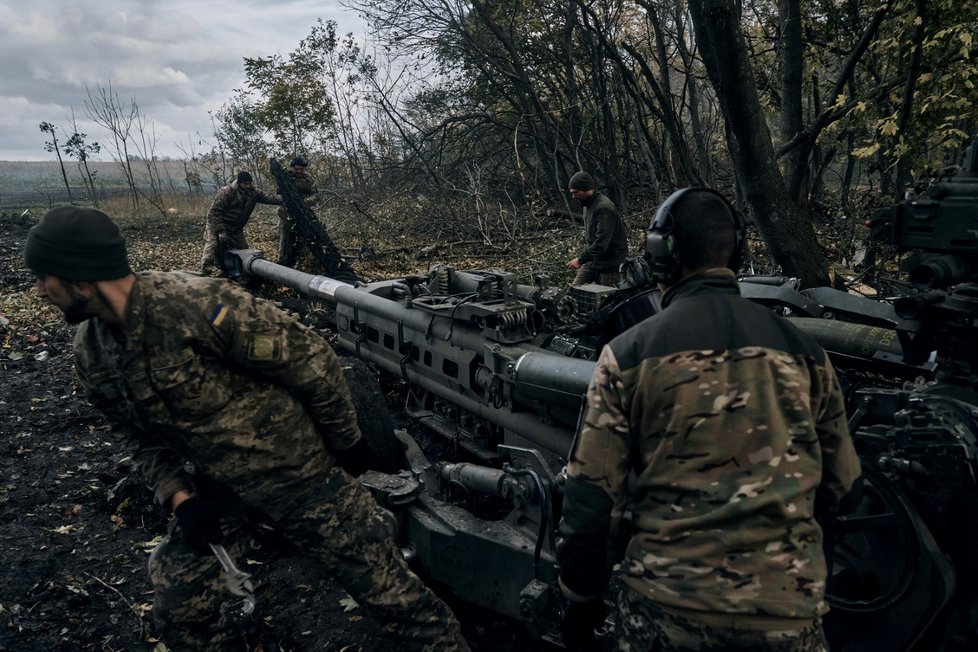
x: 77, y: 244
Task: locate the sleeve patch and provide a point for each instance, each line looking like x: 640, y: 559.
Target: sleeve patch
x: 220, y: 312
x: 263, y: 347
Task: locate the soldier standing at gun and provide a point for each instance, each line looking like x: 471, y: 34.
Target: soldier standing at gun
x: 734, y: 425
x: 289, y: 243
x: 237, y: 415
x: 227, y: 217
x: 604, y: 234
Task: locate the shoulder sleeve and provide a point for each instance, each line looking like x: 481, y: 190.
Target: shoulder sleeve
x: 596, y: 475
x: 840, y: 464
x: 266, y: 198
x: 265, y: 341
x: 600, y: 455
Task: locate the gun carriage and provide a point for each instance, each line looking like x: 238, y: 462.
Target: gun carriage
x: 500, y: 370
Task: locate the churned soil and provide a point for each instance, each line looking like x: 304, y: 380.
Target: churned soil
x: 77, y: 525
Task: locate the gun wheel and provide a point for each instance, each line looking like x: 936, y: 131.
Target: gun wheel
x: 373, y: 416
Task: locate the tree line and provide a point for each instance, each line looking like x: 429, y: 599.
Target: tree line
x: 482, y: 110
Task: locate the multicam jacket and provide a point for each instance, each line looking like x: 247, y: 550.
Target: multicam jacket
x: 732, y: 420
x: 205, y: 373
x: 604, y: 233
x: 232, y: 208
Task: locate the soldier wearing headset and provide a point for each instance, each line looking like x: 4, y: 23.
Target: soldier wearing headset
x: 733, y: 424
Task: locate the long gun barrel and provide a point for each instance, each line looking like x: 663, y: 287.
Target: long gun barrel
x: 471, y: 353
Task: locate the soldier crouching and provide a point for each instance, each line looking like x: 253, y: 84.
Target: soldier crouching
x: 196, y: 372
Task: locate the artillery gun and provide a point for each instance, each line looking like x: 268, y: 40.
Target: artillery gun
x: 500, y: 369
x: 904, y: 570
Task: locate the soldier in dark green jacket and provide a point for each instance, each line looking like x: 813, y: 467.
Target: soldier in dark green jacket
x: 604, y: 233
x: 227, y: 217
x: 733, y: 424
x: 289, y: 243
x: 237, y: 415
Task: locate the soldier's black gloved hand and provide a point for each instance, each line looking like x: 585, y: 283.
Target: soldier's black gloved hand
x: 356, y: 459
x: 578, y: 622
x: 200, y: 525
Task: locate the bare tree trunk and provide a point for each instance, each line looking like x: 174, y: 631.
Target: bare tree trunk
x: 788, y: 233
x: 53, y: 146
x: 702, y: 154
x: 792, y: 114
x: 146, y: 148
x: 906, y: 106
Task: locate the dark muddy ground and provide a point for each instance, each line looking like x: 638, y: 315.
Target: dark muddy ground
x: 77, y: 526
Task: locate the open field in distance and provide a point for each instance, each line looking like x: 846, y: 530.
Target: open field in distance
x: 26, y: 184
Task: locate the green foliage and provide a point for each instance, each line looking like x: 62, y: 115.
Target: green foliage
x: 305, y: 103
x: 78, y: 148
x: 942, y: 117
x: 49, y: 145
x: 241, y: 134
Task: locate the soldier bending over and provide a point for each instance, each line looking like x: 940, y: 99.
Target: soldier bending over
x: 236, y: 414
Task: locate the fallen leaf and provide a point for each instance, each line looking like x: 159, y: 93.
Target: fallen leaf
x: 150, y: 545
x: 349, y: 604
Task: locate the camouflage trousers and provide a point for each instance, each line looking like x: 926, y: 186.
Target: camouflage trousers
x: 587, y: 275
x: 644, y: 626
x: 344, y: 528
x: 234, y: 239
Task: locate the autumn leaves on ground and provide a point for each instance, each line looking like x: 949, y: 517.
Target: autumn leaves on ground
x: 76, y: 525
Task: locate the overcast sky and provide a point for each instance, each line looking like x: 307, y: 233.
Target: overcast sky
x: 178, y: 58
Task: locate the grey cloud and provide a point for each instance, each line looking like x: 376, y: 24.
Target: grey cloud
x: 178, y: 59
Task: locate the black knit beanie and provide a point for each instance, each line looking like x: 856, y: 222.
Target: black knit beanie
x: 77, y: 244
x: 244, y: 177
x: 582, y: 181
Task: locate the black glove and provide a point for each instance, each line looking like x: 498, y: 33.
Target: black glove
x: 357, y: 458
x: 200, y: 525
x: 578, y: 620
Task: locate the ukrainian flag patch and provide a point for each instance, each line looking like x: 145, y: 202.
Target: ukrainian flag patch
x: 220, y: 312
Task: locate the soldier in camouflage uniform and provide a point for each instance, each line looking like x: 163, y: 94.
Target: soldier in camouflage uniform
x: 289, y: 243
x: 604, y: 233
x: 733, y: 424
x: 236, y: 414
x: 227, y: 217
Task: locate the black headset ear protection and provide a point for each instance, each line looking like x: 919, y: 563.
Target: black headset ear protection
x: 661, y: 250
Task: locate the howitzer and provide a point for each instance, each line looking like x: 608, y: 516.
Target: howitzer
x: 500, y: 369
x: 903, y: 572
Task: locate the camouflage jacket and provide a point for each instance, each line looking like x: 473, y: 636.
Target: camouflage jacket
x: 205, y: 373
x: 232, y: 207
x: 604, y: 233
x: 303, y: 183
x: 732, y: 420
x: 305, y: 186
